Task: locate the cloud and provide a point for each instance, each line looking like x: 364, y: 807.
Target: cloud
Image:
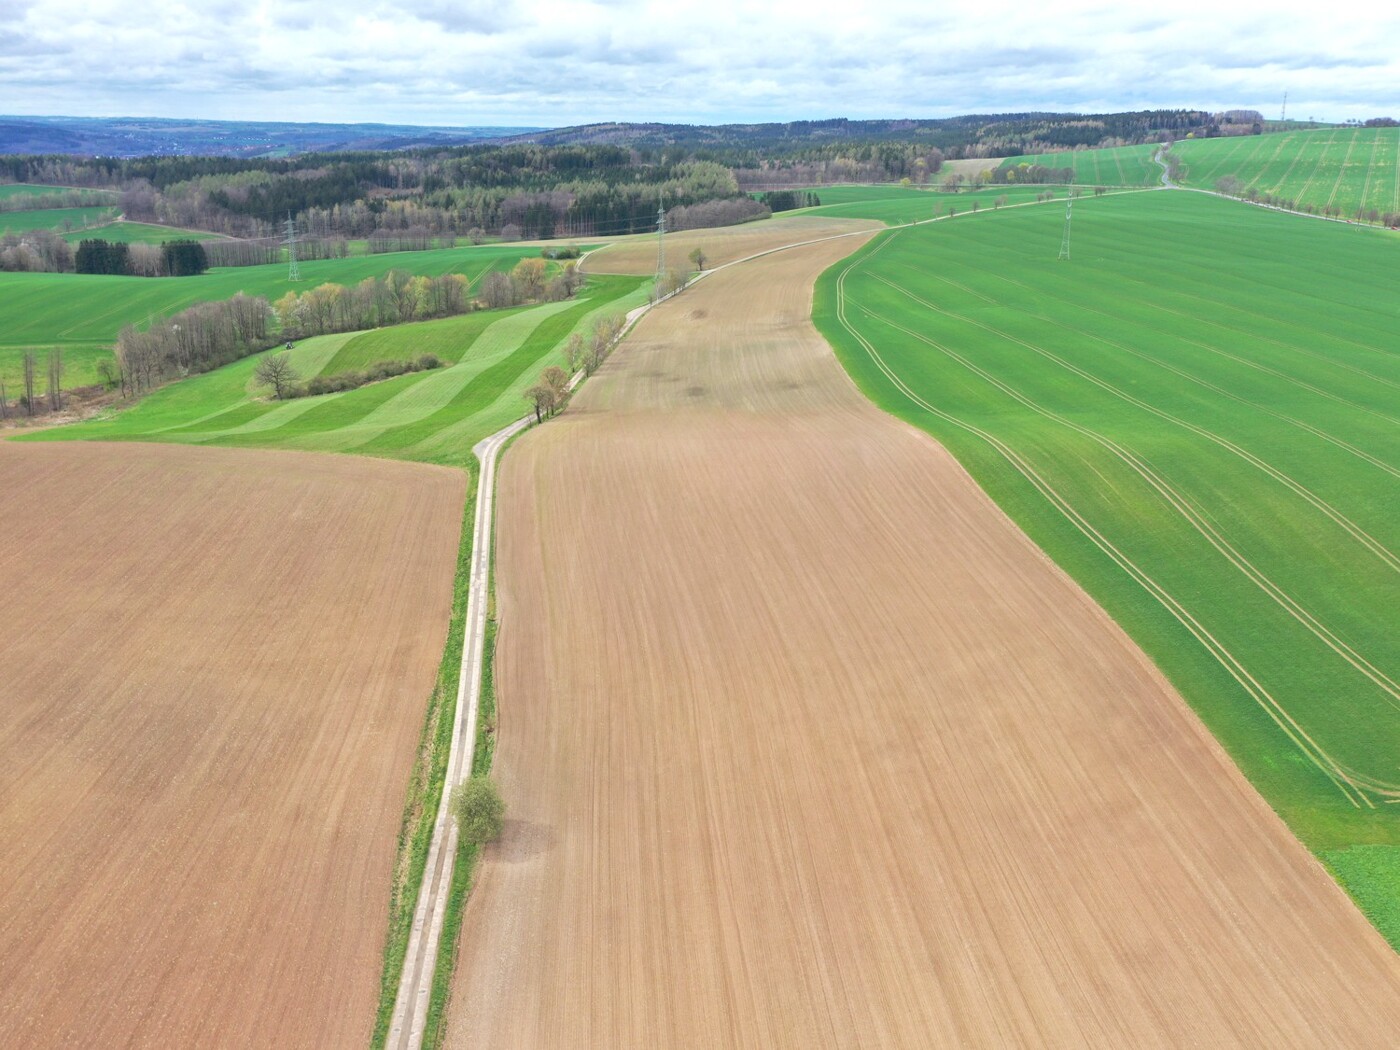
x: 565, y: 61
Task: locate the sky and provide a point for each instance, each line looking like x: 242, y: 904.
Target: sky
x: 552, y: 63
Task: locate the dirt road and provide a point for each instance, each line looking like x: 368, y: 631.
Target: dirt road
x: 213, y: 672
x: 806, y: 745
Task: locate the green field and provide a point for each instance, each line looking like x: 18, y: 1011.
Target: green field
x: 1119, y: 166
x: 59, y: 219
x: 897, y: 205
x: 435, y: 416
x: 83, y: 313
x: 1198, y: 417
x: 139, y: 233
x: 29, y: 189
x: 1346, y: 168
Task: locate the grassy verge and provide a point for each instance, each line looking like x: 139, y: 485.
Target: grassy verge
x: 482, y: 757
x: 425, y: 783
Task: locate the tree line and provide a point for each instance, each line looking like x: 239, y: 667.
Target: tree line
x: 183, y: 258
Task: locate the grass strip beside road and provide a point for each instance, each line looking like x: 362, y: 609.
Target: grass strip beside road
x: 426, y: 780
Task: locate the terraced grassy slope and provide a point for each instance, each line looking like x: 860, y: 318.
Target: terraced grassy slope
x: 431, y: 416
x: 1195, y: 416
x: 1120, y: 166
x: 84, y: 313
x: 1349, y: 169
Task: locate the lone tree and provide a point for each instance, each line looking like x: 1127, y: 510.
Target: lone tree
x: 276, y: 371
x: 699, y: 258
x: 479, y: 810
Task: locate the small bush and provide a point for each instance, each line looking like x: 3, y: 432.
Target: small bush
x: 479, y: 810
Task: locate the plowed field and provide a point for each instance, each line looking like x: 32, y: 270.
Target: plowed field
x: 806, y: 744
x: 213, y: 671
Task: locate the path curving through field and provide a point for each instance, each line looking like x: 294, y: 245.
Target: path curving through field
x: 806, y: 744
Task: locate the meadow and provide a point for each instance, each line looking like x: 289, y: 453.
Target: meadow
x: 139, y: 233
x: 1196, y: 417
x: 1119, y: 166
x: 29, y: 189
x: 83, y: 313
x: 60, y: 219
x: 1343, y: 168
x: 897, y: 205
x: 492, y: 357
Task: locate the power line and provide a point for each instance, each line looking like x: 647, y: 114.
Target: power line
x: 293, y: 271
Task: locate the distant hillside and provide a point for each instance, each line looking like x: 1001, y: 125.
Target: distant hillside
x: 974, y: 135
x: 146, y: 137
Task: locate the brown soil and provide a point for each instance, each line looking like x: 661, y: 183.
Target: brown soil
x: 637, y: 255
x: 806, y: 745
x: 214, y: 670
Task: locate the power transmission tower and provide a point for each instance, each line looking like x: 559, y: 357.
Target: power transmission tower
x: 1064, y: 241
x: 1283, y: 113
x: 661, y: 240
x: 293, y: 273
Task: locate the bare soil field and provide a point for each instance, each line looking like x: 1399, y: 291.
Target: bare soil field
x: 215, y: 665
x: 806, y: 745
x: 637, y: 255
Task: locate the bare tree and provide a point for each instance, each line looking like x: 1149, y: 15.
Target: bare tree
x: 4, y: 400
x: 55, y: 379
x: 574, y: 351
x: 29, y: 381
x: 497, y: 290
x: 276, y: 371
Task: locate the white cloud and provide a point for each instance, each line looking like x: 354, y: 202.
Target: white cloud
x: 567, y: 61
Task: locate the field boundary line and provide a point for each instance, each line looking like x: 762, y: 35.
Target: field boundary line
x: 1193, y: 516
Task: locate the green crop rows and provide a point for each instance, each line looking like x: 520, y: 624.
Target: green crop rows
x: 1198, y: 416
x: 1346, y: 168
x: 1119, y: 166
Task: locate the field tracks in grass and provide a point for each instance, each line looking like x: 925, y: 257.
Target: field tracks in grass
x: 1188, y: 511
x: 1353, y: 786
x: 1387, y: 556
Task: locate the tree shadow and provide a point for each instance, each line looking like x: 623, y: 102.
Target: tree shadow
x: 523, y: 840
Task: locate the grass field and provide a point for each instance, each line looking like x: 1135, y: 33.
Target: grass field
x: 29, y: 189
x: 83, y: 313
x: 1346, y: 168
x: 896, y: 205
x: 54, y: 219
x: 435, y: 416
x: 139, y: 233
x: 1196, y: 417
x: 1120, y: 166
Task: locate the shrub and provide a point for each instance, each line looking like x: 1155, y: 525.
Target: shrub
x: 479, y: 810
